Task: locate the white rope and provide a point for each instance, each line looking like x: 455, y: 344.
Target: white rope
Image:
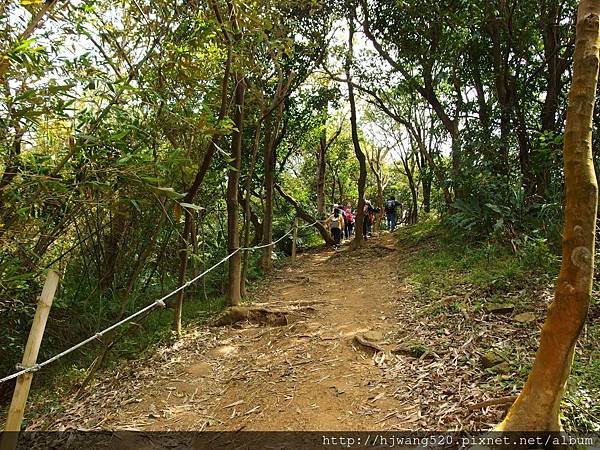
x: 160, y: 302
x: 256, y: 247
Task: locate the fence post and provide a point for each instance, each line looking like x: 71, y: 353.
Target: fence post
x: 17, y: 406
x: 294, y: 239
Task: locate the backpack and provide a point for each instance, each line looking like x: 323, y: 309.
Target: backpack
x: 390, y: 206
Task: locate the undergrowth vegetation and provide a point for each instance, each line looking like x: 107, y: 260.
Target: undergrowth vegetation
x: 449, y: 274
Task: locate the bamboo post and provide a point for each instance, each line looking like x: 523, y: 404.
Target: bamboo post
x: 17, y: 406
x: 294, y: 239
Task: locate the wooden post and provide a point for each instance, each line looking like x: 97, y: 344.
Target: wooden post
x: 294, y: 239
x: 17, y: 406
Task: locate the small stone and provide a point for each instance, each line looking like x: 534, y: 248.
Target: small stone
x: 373, y: 336
x: 201, y: 370
x: 525, y: 317
x: 500, y: 308
x: 153, y: 414
x: 491, y: 359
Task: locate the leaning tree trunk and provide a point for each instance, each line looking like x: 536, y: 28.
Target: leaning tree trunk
x: 233, y: 181
x: 537, y: 407
x: 305, y: 215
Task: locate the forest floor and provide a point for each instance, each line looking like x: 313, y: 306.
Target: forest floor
x: 339, y: 340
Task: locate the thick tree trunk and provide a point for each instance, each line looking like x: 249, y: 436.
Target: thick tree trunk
x: 233, y: 181
x: 537, y: 407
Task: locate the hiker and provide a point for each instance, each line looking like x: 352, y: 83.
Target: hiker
x: 369, y: 214
x: 348, y: 221
x: 336, y: 224
x: 390, y: 212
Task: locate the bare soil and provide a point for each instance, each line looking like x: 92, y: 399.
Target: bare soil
x: 341, y: 360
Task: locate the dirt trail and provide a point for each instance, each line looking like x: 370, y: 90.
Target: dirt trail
x: 311, y: 373
x: 308, y: 375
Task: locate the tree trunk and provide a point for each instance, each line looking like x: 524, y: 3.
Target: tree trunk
x: 304, y: 215
x: 426, y: 184
x: 269, y: 166
x: 375, y: 166
x: 324, y: 145
x: 555, y: 66
x: 503, y: 85
x: 537, y: 407
x: 193, y: 190
x: 112, y: 247
x: 320, y: 184
x: 183, y: 263
x: 358, y: 240
x: 414, y: 209
x: 270, y: 162
x: 434, y: 167
x: 255, y: 222
x: 233, y: 181
x: 528, y: 181
x: 549, y: 30
x: 247, y: 209
x: 340, y: 189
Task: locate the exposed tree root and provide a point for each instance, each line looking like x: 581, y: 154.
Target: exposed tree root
x: 260, y: 316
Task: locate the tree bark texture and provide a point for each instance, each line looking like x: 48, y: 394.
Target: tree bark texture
x: 537, y: 407
x: 233, y: 181
x: 360, y: 156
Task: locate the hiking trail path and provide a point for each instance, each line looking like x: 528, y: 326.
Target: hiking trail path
x: 312, y: 373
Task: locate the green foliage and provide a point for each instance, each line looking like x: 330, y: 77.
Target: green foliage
x: 442, y: 268
x: 511, y: 220
x: 445, y: 264
x: 110, y: 113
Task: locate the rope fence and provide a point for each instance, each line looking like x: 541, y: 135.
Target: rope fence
x: 157, y: 303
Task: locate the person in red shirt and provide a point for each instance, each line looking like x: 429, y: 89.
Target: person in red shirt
x: 348, y: 221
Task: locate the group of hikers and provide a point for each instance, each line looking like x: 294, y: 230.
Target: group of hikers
x: 342, y: 219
